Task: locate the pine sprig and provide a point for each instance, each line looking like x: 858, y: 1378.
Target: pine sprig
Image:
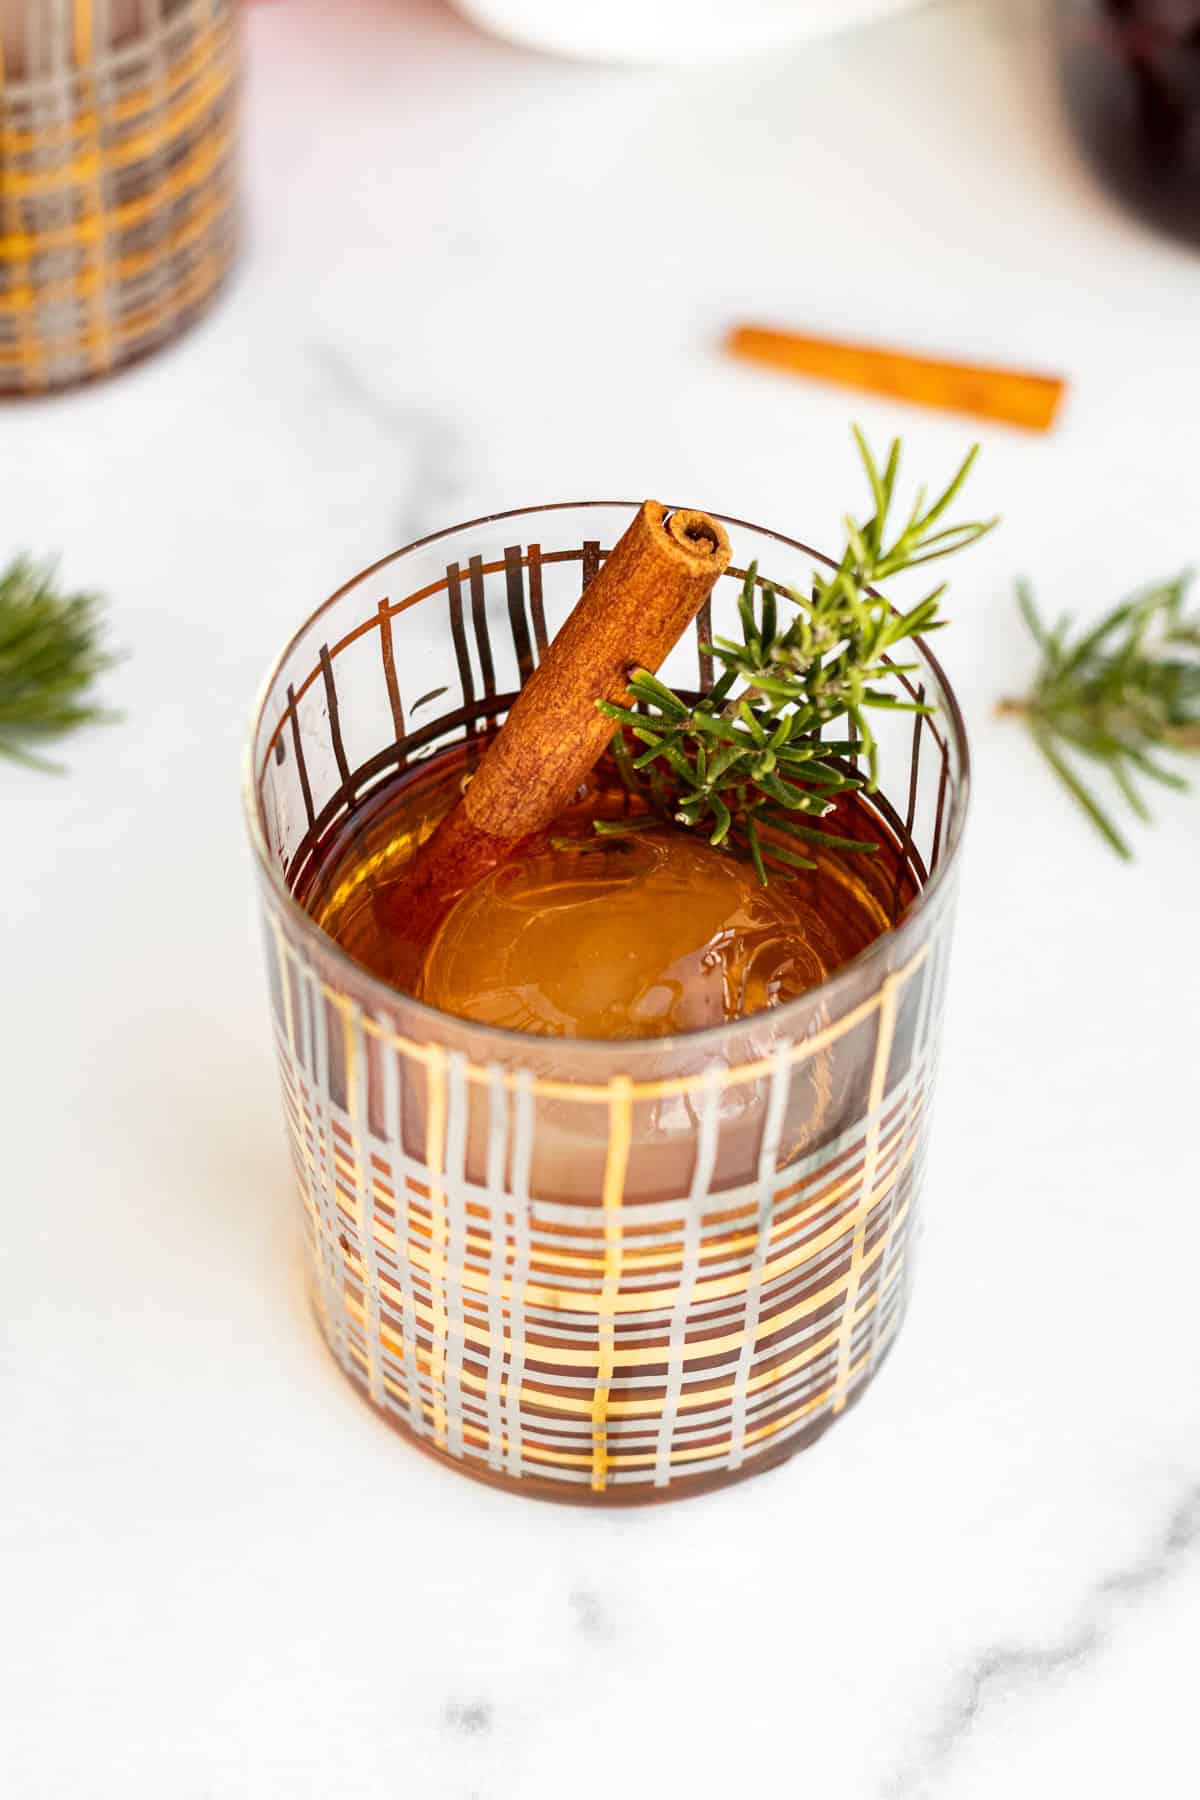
x: 50, y: 654
x: 1117, y: 697
x: 751, y: 753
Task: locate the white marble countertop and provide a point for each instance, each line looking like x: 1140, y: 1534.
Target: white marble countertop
x: 221, y: 1577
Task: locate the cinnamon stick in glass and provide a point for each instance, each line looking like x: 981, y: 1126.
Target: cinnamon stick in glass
x: 1005, y: 396
x: 647, y: 591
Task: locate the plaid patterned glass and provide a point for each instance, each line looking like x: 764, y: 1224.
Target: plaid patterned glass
x: 117, y: 181
x: 588, y: 1271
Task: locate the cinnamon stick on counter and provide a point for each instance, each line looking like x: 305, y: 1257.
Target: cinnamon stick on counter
x: 1008, y: 396
x: 646, y: 593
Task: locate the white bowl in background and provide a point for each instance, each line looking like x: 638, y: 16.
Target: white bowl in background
x: 669, y: 31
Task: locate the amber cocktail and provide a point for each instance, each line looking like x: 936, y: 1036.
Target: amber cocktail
x: 592, y: 1242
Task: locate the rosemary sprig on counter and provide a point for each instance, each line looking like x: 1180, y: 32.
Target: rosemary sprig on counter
x: 749, y: 756
x: 1117, y: 696
x: 50, y: 654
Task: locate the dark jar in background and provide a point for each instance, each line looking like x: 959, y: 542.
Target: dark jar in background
x: 1131, y: 73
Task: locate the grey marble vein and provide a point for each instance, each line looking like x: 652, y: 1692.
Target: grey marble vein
x: 589, y: 1615
x: 467, y: 1719
x: 431, y: 441
x: 1009, y: 1670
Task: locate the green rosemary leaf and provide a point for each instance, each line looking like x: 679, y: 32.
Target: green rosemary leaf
x: 890, y: 474
x: 712, y: 725
x: 837, y: 746
x: 1129, y: 793
x: 1119, y: 696
x: 879, y: 492
x: 775, y: 687
x: 889, y: 703
x: 675, y: 758
x: 868, y: 748
x: 624, y: 762
x: 793, y: 798
x: 755, y: 848
x: 949, y: 544
x: 800, y: 756
x: 724, y: 819
x: 50, y: 655
x: 911, y: 624
x: 787, y: 822
x: 769, y: 629
x: 723, y: 760
x: 1087, y: 646
x: 1080, y: 794
x: 750, y: 719
x: 1167, y: 777
x: 622, y: 715
x: 882, y: 671
x: 915, y: 516
x: 647, y: 687
x: 622, y: 827
x: 781, y: 853
x: 858, y: 544
x: 952, y: 492
x: 831, y: 780
x: 785, y: 681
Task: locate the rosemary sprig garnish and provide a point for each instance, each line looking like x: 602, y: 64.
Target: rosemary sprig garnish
x: 750, y: 756
x: 1118, y: 696
x: 50, y: 653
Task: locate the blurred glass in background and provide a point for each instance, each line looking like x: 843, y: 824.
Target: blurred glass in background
x: 117, y: 179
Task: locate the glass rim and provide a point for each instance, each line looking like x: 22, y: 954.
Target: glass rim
x: 385, y: 998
